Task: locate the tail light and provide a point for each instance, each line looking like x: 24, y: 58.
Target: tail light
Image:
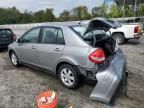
x: 14, y: 36
x: 136, y: 29
x: 98, y: 56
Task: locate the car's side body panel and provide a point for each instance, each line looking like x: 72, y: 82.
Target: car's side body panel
x: 49, y: 54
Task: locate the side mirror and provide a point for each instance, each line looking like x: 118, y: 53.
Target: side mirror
x: 114, y: 27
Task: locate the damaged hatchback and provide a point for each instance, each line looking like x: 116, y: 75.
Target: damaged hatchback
x: 71, y: 52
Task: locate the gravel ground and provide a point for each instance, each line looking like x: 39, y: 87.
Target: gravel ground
x: 20, y: 86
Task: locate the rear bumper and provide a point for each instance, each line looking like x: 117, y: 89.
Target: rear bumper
x: 5, y: 45
x: 138, y: 35
x: 109, y: 78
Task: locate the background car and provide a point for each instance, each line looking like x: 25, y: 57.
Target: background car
x: 6, y: 37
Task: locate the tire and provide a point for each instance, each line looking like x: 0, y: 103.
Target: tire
x: 126, y: 40
x: 119, y: 38
x: 14, y: 59
x: 69, y: 76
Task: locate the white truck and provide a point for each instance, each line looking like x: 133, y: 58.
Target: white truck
x: 120, y: 32
x: 123, y: 32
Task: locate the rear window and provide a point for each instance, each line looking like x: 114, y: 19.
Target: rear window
x: 90, y: 37
x: 115, y: 23
x: 79, y: 29
x: 5, y: 32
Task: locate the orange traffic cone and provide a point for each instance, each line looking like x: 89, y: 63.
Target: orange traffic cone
x: 47, y: 99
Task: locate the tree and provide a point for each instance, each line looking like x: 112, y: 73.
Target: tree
x: 142, y: 9
x: 115, y: 12
x: 80, y: 13
x: 26, y: 17
x: 13, y: 15
x: 38, y: 16
x: 128, y: 11
x: 99, y: 11
x: 64, y: 16
x: 48, y: 15
x: 9, y: 16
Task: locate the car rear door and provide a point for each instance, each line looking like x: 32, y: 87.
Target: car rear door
x: 28, y: 46
x: 51, y: 47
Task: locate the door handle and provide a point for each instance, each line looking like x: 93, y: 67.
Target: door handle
x: 57, y: 49
x: 33, y: 47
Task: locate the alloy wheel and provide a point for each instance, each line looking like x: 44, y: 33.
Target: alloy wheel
x: 67, y: 77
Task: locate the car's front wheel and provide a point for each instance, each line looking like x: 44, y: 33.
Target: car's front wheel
x: 14, y: 59
x: 68, y: 76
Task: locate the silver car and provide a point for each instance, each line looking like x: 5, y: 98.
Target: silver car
x: 73, y: 52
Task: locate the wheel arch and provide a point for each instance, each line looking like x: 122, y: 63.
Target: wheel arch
x: 11, y: 50
x: 65, y: 61
x: 118, y: 33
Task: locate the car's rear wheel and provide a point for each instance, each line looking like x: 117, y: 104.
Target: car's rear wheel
x: 68, y: 76
x: 119, y: 38
x: 14, y: 59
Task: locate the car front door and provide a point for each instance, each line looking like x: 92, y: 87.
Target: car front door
x: 28, y: 46
x: 51, y: 47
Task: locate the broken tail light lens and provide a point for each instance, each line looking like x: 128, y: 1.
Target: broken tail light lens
x: 98, y: 56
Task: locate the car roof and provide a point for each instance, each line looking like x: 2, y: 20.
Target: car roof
x: 60, y: 24
x: 5, y: 29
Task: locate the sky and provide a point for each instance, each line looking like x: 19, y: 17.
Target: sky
x: 57, y: 5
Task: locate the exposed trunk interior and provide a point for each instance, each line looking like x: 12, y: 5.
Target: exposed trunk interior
x: 101, y: 40
x: 108, y: 45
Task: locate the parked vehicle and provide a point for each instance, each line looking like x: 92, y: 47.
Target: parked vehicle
x: 131, y: 20
x: 120, y: 32
x: 126, y: 31
x: 72, y: 52
x: 6, y: 37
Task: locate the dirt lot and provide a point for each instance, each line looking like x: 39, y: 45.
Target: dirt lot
x: 20, y: 86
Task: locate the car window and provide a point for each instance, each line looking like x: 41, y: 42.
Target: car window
x: 5, y: 32
x: 60, y: 37
x: 31, y: 36
x: 52, y: 36
x: 79, y: 29
x: 115, y: 23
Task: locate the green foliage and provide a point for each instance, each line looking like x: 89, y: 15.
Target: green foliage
x: 38, y: 16
x: 128, y: 11
x: 100, y: 11
x: 80, y: 13
x: 48, y: 15
x: 14, y: 16
x: 26, y: 17
x: 115, y: 12
x: 142, y: 10
x: 10, y: 15
x: 64, y: 16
